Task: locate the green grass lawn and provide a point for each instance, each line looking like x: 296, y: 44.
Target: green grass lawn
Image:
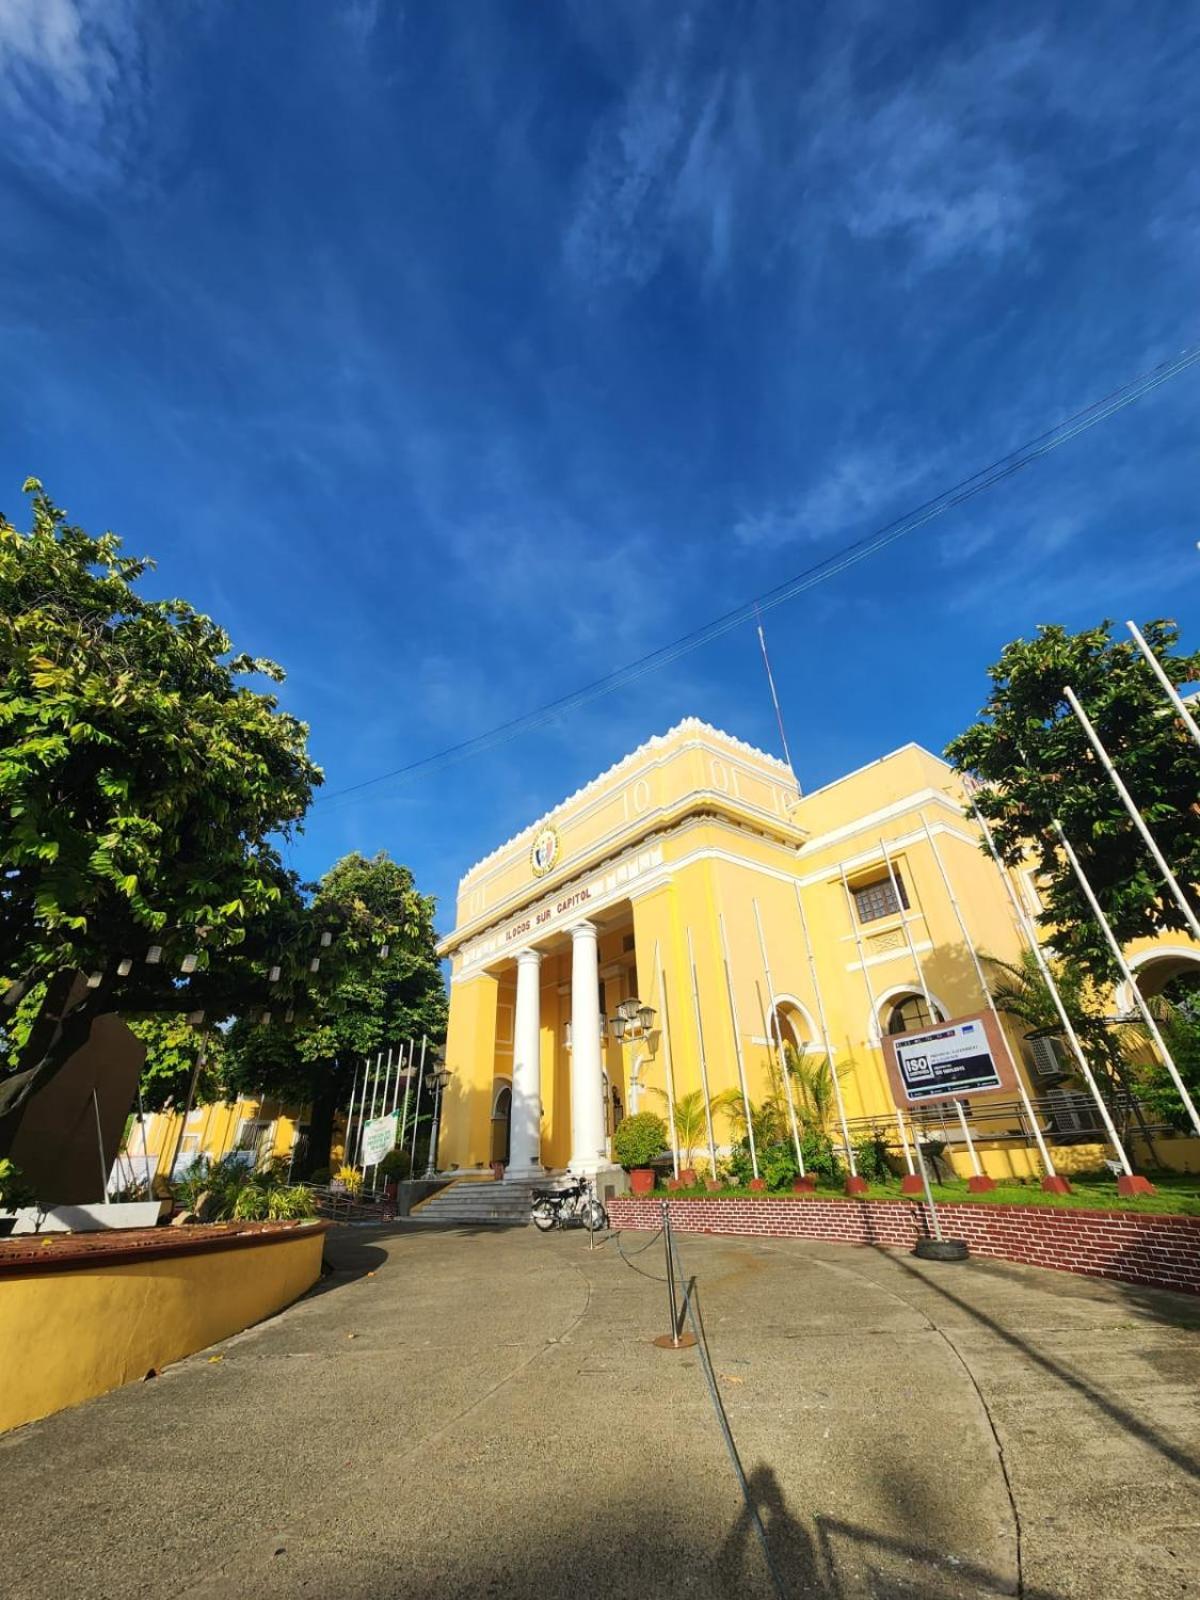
x: 1178, y: 1195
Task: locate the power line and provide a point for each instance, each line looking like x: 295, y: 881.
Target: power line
x: 820, y: 572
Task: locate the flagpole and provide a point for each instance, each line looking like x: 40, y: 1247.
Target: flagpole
x: 1034, y: 944
x: 669, y: 1071
x: 737, y: 1046
x: 1173, y: 694
x: 712, y: 1148
x: 1127, y: 974
x: 1135, y: 815
x: 774, y: 1030
x: 987, y: 992
x: 837, y: 1088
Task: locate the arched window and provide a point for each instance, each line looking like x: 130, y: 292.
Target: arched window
x: 909, y: 1011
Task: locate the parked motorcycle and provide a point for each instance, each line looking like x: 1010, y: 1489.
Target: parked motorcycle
x: 572, y: 1206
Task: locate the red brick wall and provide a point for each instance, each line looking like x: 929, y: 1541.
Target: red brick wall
x: 1163, y: 1252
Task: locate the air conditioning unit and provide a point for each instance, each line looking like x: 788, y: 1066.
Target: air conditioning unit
x: 1071, y: 1113
x: 1047, y: 1058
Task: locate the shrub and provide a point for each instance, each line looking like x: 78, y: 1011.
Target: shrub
x: 290, y: 1202
x: 14, y: 1191
x: 639, y: 1139
x: 251, y: 1203
x: 739, y: 1167
x: 319, y: 1175
x: 777, y: 1164
x: 350, y: 1178
x: 820, y: 1159
x: 871, y: 1158
x: 397, y: 1164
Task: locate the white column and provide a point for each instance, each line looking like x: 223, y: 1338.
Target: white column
x: 525, y: 1117
x: 588, y: 1153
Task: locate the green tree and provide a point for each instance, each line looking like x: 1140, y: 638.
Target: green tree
x: 175, y: 1048
x: 1036, y: 764
x: 144, y: 784
x: 376, y: 1001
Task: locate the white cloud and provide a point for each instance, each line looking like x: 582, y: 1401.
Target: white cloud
x: 863, y: 483
x: 72, y: 78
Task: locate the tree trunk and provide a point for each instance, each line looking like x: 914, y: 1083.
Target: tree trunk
x: 59, y: 1031
x: 320, y: 1123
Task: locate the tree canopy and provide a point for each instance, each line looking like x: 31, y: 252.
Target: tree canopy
x: 378, y: 1000
x: 144, y: 784
x: 1036, y: 764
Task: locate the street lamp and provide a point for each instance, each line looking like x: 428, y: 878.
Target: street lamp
x: 631, y: 1020
x: 438, y: 1080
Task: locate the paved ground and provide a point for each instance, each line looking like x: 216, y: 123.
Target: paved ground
x: 481, y: 1413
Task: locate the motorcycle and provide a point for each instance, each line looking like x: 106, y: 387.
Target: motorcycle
x: 572, y: 1206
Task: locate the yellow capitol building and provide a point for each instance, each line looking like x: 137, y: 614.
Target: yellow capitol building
x: 694, y: 878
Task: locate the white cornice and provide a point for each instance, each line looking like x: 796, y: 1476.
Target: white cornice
x: 692, y: 725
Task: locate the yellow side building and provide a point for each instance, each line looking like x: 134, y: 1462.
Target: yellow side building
x: 696, y: 879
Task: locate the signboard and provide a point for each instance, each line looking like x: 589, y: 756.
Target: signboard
x: 379, y: 1136
x: 968, y: 1056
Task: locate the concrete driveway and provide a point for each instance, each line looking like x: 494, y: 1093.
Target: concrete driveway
x: 481, y: 1413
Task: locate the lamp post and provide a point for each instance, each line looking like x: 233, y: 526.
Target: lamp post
x: 438, y: 1079
x: 631, y: 1020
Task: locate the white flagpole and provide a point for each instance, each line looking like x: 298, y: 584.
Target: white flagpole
x: 407, y: 1095
x: 773, y: 1030
x: 669, y: 1072
x: 929, y: 1005
x: 825, y: 1040
x: 737, y: 1045
x: 417, y: 1106
x: 1173, y: 694
x: 1127, y: 974
x: 1034, y: 944
x: 875, y: 1018
x: 987, y: 992
x: 350, y: 1119
x: 1136, y: 817
x: 712, y: 1148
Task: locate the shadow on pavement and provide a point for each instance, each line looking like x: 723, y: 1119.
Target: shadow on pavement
x: 1123, y: 1418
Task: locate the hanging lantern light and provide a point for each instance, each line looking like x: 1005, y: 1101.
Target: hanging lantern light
x: 289, y: 1014
x: 264, y: 1019
x: 273, y: 975
x: 315, y: 964
x: 326, y: 940
x: 95, y: 979
x: 384, y: 951
x: 154, y: 955
x: 188, y: 964
x: 195, y: 1018
x: 124, y: 967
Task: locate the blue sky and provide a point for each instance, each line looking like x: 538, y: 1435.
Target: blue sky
x: 456, y: 354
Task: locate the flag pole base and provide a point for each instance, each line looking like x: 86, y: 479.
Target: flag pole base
x: 1132, y: 1183
x: 910, y: 1183
x: 685, y: 1341
x: 980, y: 1184
x: 857, y: 1186
x: 1056, y: 1185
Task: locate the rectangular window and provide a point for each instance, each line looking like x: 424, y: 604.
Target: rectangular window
x: 878, y: 899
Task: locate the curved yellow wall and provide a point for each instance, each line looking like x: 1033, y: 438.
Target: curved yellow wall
x: 69, y: 1334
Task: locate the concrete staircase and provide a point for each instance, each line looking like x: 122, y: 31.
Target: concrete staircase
x: 483, y: 1201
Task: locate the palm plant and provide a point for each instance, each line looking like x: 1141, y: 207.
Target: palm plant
x: 690, y: 1122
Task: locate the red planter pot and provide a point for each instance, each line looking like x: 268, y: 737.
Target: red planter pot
x: 687, y: 1177
x: 641, y: 1180
x: 804, y: 1185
